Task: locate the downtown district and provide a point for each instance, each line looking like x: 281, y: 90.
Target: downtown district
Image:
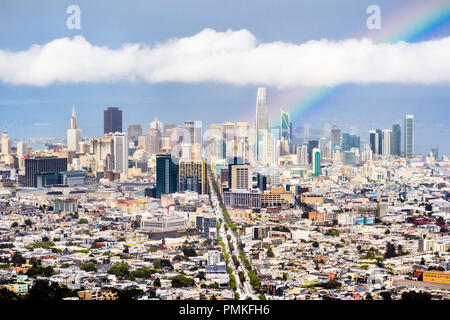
x: 238, y: 211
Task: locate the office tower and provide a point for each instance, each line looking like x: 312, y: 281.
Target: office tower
x: 153, y: 141
x: 241, y: 177
x: 396, y: 136
x: 168, y: 127
x: 302, y: 155
x: 349, y: 158
x: 102, y: 147
x: 261, y: 110
x: 316, y: 161
x: 73, y: 134
x: 262, y: 123
x: 350, y: 141
x: 229, y: 130
x: 242, y: 129
x: 192, y: 175
x: 374, y: 140
x: 435, y: 153
x: 134, y: 132
x: 366, y: 153
x: 335, y: 137
x: 219, y: 148
x: 47, y: 165
x: 112, y: 120
x: 311, y: 145
x: 386, y: 147
x: 121, y: 152
x: 409, y: 136
x: 285, y: 125
x: 215, y: 130
x: 166, y: 174
x: 192, y: 131
x: 155, y: 124
x: 6, y: 144
x: 380, y: 141
x: 21, y: 149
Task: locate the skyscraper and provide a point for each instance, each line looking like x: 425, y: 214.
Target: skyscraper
x: 73, y: 134
x: 261, y: 110
x: 192, y: 175
x: 285, y: 125
x: 311, y: 145
x: 134, y: 132
x: 166, y: 174
x: 262, y: 124
x: 316, y: 161
x: 409, y: 136
x: 120, y: 152
x: 380, y: 141
x: 302, y: 155
x: 386, y: 146
x: 112, y: 120
x: 396, y: 139
x: 335, y: 137
x: 6, y: 144
x: 373, y: 139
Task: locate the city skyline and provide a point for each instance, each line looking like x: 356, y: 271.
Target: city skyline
x: 349, y: 105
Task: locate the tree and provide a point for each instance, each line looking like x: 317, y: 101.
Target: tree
x: 83, y: 221
x: 119, y: 269
x: 14, y: 225
x: 143, y: 272
x: 390, y: 251
x: 43, y: 290
x: 270, y: 253
x: 180, y: 281
x: 128, y: 294
x: 88, y: 267
x: 422, y: 262
x: 440, y: 221
x: 157, y: 282
x: 416, y: 296
x: 315, y: 244
x: 17, y: 259
x: 189, y: 252
x: 28, y: 223
x: 386, y: 295
x: 241, y: 276
x: 201, y: 275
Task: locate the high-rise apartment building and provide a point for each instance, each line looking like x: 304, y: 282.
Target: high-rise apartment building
x: 241, y: 177
x: 316, y: 162
x: 302, y: 155
x: 386, y: 142
x: 121, y: 152
x: 409, y: 136
x: 112, y: 120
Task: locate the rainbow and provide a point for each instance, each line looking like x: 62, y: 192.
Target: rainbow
x: 413, y: 23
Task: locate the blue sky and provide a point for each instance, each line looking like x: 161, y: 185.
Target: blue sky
x: 33, y: 111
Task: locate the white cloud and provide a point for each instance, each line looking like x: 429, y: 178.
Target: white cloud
x: 232, y: 57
